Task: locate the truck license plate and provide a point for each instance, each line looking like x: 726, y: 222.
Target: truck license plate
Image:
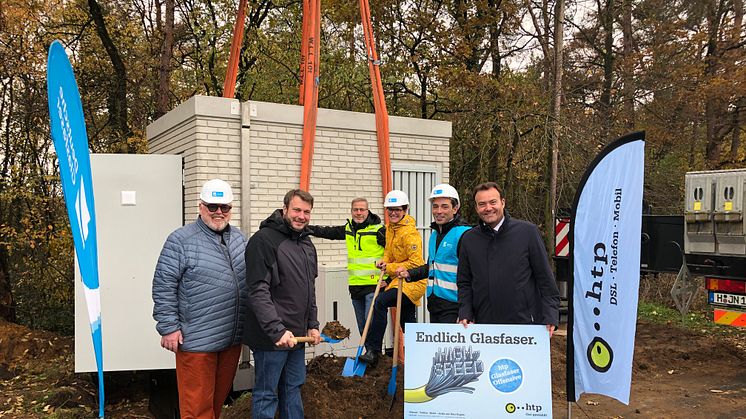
x: 728, y: 299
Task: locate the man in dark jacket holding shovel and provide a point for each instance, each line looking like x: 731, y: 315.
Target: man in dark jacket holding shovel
x: 281, y: 273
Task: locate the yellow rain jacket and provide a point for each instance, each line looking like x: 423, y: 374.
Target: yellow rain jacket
x: 404, y: 248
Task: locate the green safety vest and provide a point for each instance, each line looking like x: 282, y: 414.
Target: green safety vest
x: 363, y: 251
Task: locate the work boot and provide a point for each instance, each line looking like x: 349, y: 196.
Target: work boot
x: 370, y: 358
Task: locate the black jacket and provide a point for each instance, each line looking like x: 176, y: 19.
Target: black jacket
x: 504, y: 277
x: 281, y: 270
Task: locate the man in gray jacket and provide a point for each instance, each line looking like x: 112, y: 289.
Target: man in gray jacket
x: 199, y: 291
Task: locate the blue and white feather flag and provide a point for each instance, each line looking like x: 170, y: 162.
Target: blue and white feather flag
x: 71, y: 143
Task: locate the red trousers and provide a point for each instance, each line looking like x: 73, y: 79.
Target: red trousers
x: 204, y: 380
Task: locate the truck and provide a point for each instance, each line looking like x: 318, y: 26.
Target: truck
x: 707, y: 241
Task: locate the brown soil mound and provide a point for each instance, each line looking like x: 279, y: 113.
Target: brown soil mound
x: 676, y: 373
x: 335, y: 330
x: 19, y: 344
x: 328, y: 395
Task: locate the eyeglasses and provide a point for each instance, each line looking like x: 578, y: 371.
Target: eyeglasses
x: 224, y: 208
x: 395, y: 209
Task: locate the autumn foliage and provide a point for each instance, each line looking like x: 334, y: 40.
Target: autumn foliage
x: 672, y: 68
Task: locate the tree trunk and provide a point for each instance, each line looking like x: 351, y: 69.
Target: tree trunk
x: 7, y: 306
x: 735, y: 142
x: 542, y: 36
x: 737, y: 20
x: 212, y: 58
x: 740, y: 106
x: 628, y: 66
x: 423, y: 95
x: 608, y: 63
x: 491, y: 158
x: 495, y: 30
x: 256, y: 16
x: 164, y: 67
x: 516, y: 139
x: 713, y: 104
x: 559, y: 32
x: 117, y: 102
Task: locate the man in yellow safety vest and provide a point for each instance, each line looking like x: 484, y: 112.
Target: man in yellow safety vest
x: 365, y: 236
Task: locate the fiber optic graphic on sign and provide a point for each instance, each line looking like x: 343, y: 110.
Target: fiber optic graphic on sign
x: 453, y: 368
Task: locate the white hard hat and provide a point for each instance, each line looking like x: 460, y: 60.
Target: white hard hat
x: 216, y: 191
x: 444, y: 190
x: 395, y: 198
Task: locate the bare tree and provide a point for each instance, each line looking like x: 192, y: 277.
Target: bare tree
x: 164, y: 67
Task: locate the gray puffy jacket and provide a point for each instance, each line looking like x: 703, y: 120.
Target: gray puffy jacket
x: 199, y: 287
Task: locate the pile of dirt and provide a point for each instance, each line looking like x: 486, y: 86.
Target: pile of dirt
x: 19, y: 344
x: 335, y: 330
x: 329, y: 395
x: 37, y: 378
x: 675, y: 373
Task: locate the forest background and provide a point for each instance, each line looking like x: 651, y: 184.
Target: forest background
x: 515, y: 77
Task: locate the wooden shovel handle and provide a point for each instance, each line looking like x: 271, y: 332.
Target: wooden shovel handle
x: 370, y: 310
x: 397, y: 325
x: 303, y: 339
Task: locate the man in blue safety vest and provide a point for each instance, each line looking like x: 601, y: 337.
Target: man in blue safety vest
x: 365, y: 237
x: 442, y: 261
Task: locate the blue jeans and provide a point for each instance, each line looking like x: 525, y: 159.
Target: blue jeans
x: 279, y: 376
x: 387, y: 299
x: 361, y: 310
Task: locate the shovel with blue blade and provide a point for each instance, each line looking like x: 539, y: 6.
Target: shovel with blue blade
x: 352, y: 366
x: 328, y: 339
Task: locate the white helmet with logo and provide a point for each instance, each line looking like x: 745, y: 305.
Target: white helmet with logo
x: 216, y: 191
x: 444, y: 190
x: 395, y: 198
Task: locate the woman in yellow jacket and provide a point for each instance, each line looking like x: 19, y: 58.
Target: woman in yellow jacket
x: 403, y: 249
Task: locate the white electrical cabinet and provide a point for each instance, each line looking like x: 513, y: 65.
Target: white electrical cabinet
x: 138, y: 201
x: 333, y: 303
x: 714, y: 215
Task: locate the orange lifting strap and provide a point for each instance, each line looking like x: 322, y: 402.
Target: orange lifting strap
x: 379, y: 101
x: 229, y: 85
x: 309, y: 93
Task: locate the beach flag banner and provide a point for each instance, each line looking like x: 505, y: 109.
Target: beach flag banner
x: 71, y: 144
x: 605, y: 256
